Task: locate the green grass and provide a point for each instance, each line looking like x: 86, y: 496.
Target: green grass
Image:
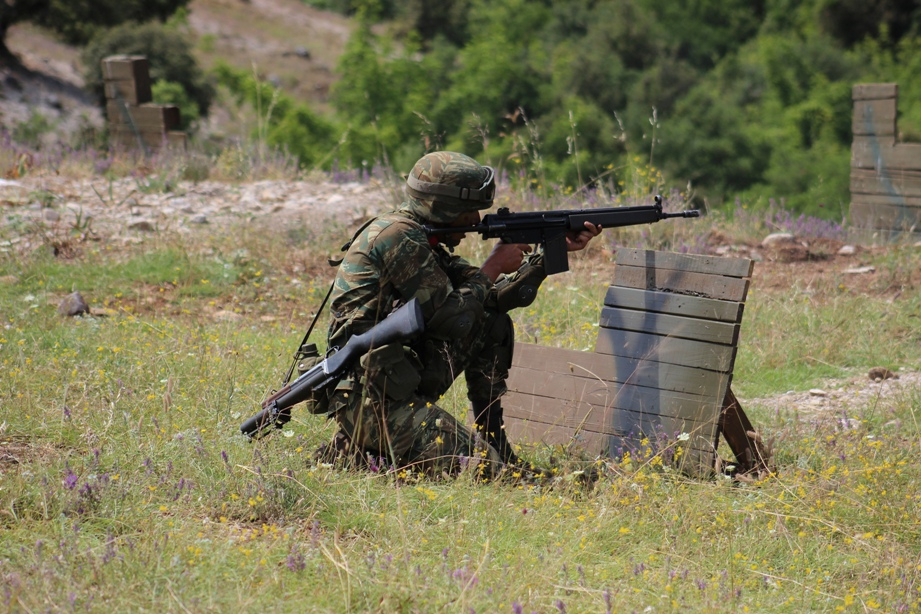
x: 132, y: 489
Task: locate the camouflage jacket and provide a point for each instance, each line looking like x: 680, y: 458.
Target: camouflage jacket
x: 391, y: 261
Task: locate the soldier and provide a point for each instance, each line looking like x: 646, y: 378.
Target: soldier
x: 387, y: 407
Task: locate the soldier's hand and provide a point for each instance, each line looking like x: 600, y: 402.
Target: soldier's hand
x: 505, y: 258
x: 577, y: 240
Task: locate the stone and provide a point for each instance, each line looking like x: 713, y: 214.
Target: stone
x: 847, y: 250
x: 73, y: 305
x: 143, y: 225
x: 881, y: 373
x: 777, y: 238
x: 227, y: 316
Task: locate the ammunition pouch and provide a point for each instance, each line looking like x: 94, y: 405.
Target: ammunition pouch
x: 392, y: 369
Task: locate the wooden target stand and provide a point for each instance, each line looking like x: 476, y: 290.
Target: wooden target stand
x: 659, y: 377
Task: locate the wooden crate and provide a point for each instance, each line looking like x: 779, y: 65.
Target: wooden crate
x: 660, y: 373
x: 885, y: 174
x: 135, y: 122
x: 127, y: 77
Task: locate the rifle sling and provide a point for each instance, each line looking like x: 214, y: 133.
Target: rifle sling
x: 332, y: 263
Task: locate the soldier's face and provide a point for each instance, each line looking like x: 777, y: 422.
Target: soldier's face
x: 470, y: 218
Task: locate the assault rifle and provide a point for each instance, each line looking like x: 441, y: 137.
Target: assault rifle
x: 402, y: 324
x: 549, y: 228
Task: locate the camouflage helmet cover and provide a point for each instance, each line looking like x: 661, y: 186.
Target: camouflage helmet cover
x: 448, y: 184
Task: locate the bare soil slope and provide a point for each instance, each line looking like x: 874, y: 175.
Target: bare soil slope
x: 284, y: 41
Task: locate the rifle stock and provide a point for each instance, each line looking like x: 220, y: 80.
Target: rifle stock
x: 402, y: 324
x: 549, y: 228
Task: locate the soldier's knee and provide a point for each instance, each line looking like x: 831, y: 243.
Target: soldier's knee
x: 501, y: 340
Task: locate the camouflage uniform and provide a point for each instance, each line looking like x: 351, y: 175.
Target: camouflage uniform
x: 388, y: 407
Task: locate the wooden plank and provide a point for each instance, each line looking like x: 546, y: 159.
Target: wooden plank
x: 675, y: 304
x: 132, y: 92
x: 573, y: 417
x: 873, y: 91
x: 884, y: 154
x: 887, y: 199
x: 571, y: 375
x: 693, y: 263
x: 594, y: 444
x: 709, y: 331
x: 663, y: 348
x: 148, y: 114
x: 141, y: 126
x: 695, y: 461
x: 177, y: 138
x: 170, y: 114
x: 605, y: 370
x: 150, y: 135
x: 125, y: 67
x: 593, y: 387
x: 537, y: 419
x: 892, y: 217
x: 699, y: 284
x: 746, y: 444
x: 123, y: 141
x: 894, y: 183
x: 875, y: 117
x: 619, y: 411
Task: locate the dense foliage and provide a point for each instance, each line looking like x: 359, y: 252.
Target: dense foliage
x: 77, y: 21
x: 731, y: 97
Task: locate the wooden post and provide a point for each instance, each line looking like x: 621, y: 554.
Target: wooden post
x: 885, y: 174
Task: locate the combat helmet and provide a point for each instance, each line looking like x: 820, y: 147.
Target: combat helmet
x: 447, y: 184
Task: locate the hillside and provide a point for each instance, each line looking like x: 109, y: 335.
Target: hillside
x: 288, y: 43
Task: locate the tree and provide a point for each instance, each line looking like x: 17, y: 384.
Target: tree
x: 851, y: 21
x: 77, y: 21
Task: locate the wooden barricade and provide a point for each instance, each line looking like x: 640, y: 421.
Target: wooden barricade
x: 660, y: 373
x: 885, y: 174
x: 134, y: 121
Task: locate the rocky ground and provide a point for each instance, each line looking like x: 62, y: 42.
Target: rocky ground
x: 842, y: 400
x: 123, y: 210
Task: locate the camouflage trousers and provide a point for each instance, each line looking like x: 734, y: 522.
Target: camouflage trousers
x: 403, y: 425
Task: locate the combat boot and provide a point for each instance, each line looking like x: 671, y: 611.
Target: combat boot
x: 487, y: 416
x: 338, y: 449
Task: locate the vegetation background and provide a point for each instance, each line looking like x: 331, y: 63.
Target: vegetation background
x: 730, y: 99
x: 124, y: 483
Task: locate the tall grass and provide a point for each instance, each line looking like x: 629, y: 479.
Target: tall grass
x: 125, y: 485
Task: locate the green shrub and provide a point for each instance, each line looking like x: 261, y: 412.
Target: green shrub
x: 31, y: 131
x: 168, y: 92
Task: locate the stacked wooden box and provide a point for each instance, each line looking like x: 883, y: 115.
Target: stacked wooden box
x: 885, y: 174
x: 134, y: 121
x: 660, y: 373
